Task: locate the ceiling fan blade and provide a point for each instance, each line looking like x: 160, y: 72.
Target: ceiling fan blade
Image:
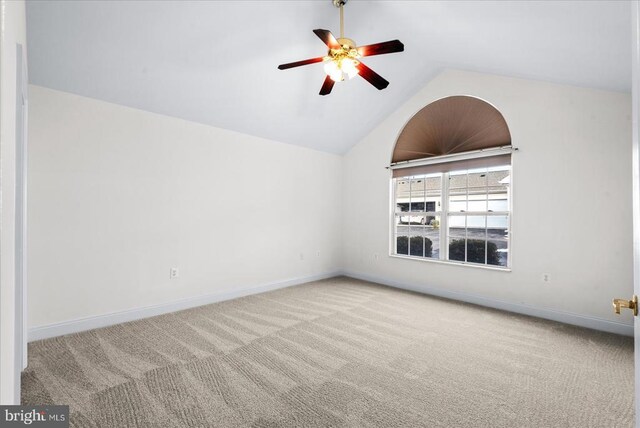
x: 327, y: 38
x: 327, y: 86
x: 372, y: 77
x: 381, y: 48
x: 299, y: 63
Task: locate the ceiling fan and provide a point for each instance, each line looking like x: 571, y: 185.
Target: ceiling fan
x: 343, y: 58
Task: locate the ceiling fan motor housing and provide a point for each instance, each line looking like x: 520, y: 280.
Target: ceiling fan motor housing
x: 343, y: 41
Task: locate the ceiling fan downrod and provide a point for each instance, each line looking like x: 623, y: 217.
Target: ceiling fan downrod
x: 340, y: 5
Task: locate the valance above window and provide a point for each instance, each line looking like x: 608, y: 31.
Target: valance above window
x: 471, y: 160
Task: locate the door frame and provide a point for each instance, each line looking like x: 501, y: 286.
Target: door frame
x: 635, y: 119
x: 22, y: 114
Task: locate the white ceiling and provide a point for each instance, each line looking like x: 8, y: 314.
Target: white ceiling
x: 215, y: 62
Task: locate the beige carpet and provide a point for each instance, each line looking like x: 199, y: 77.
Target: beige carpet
x: 340, y: 353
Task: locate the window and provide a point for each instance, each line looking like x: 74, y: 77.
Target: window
x: 451, y: 169
x: 461, y: 216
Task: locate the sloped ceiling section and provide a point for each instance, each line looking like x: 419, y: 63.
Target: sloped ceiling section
x: 215, y: 62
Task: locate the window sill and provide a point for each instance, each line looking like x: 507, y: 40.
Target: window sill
x: 451, y: 263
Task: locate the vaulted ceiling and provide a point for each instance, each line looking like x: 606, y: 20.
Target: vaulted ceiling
x: 215, y: 62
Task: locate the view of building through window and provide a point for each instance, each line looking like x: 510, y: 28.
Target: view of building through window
x: 460, y: 216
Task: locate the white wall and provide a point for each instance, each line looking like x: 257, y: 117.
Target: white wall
x: 572, y: 199
x: 12, y: 32
x: 117, y: 196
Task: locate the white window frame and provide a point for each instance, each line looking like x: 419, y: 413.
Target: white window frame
x: 444, y: 213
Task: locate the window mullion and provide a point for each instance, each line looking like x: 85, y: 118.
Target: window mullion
x: 444, y: 217
x: 486, y: 219
x: 466, y: 219
x: 424, y: 216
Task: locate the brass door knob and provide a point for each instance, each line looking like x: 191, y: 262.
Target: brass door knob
x: 623, y: 303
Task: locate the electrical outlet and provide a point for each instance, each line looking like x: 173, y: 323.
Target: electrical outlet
x: 546, y: 277
x: 174, y: 273
x: 301, y: 256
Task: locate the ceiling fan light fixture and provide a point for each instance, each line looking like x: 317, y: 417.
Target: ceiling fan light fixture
x: 332, y: 68
x: 348, y: 67
x: 339, y: 68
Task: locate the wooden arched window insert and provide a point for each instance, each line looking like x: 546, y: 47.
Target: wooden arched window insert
x: 445, y: 130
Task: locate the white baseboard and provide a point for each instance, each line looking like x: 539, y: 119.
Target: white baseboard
x: 550, y: 314
x: 90, y: 323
